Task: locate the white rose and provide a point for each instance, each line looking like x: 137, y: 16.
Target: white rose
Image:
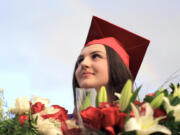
x: 54, y: 131
x: 49, y: 110
x: 44, y: 101
x: 47, y: 127
x: 21, y: 106
x: 71, y: 124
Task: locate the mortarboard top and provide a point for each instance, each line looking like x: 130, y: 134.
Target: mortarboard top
x: 130, y: 47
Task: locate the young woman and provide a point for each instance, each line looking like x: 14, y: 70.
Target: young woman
x: 100, y: 65
x: 110, y: 57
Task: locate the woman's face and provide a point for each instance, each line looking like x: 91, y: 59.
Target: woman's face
x: 92, y: 71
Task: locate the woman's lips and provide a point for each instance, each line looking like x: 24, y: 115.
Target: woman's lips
x: 86, y: 74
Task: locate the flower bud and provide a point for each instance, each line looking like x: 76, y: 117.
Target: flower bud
x: 125, y: 96
x: 157, y: 101
x: 102, y: 96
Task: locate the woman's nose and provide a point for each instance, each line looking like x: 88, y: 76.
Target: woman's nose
x: 85, y: 63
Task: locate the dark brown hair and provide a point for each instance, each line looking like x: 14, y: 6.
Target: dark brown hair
x: 118, y: 74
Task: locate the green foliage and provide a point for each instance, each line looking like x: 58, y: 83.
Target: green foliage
x: 172, y: 87
x: 158, y: 133
x: 12, y: 126
x: 135, y: 94
x: 133, y: 98
x: 148, y: 99
x: 175, y: 101
x: 171, y: 124
x: 128, y: 133
x: 161, y: 92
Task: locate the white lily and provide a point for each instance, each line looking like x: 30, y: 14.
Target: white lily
x: 118, y: 95
x: 144, y: 123
x: 169, y: 108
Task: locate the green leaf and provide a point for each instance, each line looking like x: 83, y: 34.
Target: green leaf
x: 135, y: 94
x: 175, y: 101
x: 133, y: 98
x: 125, y: 96
x: 148, y: 99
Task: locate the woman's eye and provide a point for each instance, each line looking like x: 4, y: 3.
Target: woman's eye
x: 94, y: 56
x: 80, y: 60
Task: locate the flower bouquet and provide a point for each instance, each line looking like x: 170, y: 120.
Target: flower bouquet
x: 35, y: 117
x: 157, y: 114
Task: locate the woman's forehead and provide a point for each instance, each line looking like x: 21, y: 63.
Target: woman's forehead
x: 93, y: 48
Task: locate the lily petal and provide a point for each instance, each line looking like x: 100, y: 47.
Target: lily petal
x: 153, y: 129
x: 144, y: 123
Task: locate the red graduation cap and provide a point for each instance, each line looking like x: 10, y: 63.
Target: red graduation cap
x: 130, y: 47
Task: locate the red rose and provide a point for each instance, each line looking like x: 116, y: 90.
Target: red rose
x: 136, y: 102
x: 131, y: 113
x: 106, y: 104
x: 61, y: 115
x: 159, y: 112
x: 110, y: 119
x: 110, y: 130
x: 61, y: 109
x: 122, y: 118
x: 72, y: 131
x: 23, y: 118
x: 113, y: 118
x: 110, y: 116
x: 92, y: 116
x: 37, y: 107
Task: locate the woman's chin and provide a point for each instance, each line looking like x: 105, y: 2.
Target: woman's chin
x: 87, y: 86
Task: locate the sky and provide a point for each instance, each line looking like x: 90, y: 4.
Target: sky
x: 40, y: 41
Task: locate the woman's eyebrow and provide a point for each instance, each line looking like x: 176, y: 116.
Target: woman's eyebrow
x: 97, y: 52
x: 81, y: 55
x: 93, y: 52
